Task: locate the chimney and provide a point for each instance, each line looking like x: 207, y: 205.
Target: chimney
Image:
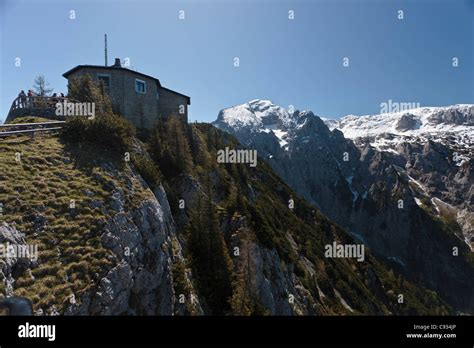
x: 117, y: 63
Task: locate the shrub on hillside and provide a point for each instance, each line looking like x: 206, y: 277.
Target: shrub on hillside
x: 108, y: 130
x: 84, y: 89
x: 147, y: 169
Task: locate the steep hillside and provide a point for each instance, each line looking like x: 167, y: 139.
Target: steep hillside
x: 163, y: 228
x: 413, y: 207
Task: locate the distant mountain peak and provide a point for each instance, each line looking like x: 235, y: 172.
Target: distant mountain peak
x: 263, y: 116
x: 255, y: 114
x: 453, y: 124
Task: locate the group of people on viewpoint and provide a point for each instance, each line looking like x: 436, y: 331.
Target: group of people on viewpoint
x: 31, y: 99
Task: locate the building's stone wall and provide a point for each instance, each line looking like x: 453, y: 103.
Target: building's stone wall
x: 172, y: 104
x: 142, y: 109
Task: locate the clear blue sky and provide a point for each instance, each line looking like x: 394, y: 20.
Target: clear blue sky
x: 291, y: 62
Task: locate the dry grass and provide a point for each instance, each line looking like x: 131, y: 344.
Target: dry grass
x: 36, y: 193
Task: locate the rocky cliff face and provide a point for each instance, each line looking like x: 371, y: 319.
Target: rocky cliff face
x: 141, y: 282
x: 9, y: 266
x: 270, y: 281
x: 434, y: 146
x: 410, y: 201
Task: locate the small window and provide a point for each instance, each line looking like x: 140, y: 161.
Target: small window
x: 104, y: 80
x: 157, y: 96
x: 140, y: 86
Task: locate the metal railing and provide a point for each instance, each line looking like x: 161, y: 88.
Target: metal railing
x: 29, y: 128
x: 37, y: 102
x: 36, y: 106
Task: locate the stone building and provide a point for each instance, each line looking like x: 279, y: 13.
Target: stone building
x: 140, y: 98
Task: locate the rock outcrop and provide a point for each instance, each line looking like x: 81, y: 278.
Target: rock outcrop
x: 144, y: 241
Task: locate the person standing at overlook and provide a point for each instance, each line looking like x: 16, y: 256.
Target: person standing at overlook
x: 22, y: 97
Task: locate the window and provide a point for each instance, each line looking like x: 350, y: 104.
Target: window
x: 140, y: 86
x: 104, y: 80
x: 157, y: 96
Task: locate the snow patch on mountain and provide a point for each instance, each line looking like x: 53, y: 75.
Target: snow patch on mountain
x: 280, y: 134
x: 355, y: 194
x: 459, y: 159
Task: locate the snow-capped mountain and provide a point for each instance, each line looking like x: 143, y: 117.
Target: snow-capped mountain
x: 452, y: 125
x: 259, y: 114
x: 419, y: 121
x: 262, y: 116
x: 446, y: 132
x: 402, y: 183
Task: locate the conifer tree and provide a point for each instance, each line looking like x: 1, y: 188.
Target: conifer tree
x: 41, y: 88
x: 211, y: 261
x: 241, y: 302
x: 84, y: 89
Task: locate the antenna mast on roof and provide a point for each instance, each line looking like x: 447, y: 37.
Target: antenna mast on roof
x: 105, y: 38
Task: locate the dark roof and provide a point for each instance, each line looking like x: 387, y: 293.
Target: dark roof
x: 69, y: 72
x: 188, y: 99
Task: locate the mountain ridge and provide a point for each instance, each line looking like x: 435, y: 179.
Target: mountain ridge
x: 375, y: 194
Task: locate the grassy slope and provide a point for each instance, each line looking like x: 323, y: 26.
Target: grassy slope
x: 42, y: 184
x: 29, y: 119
